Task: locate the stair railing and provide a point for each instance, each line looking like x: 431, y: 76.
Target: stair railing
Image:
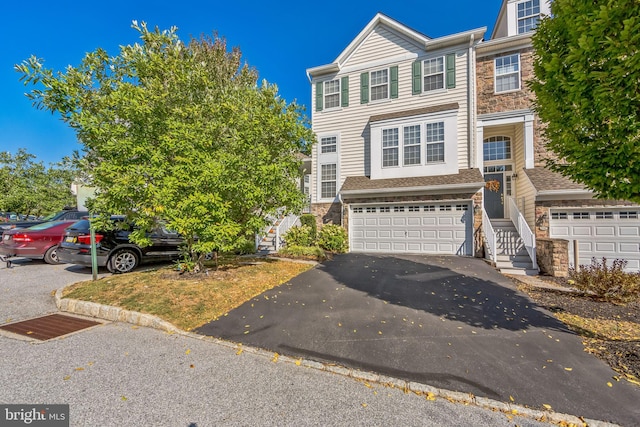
x: 524, y: 231
x: 285, y: 224
x: 489, y: 236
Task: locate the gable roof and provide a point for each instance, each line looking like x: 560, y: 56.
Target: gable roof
x: 419, y: 39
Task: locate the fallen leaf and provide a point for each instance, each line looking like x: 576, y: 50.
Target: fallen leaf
x: 246, y: 332
x: 609, y: 384
x: 298, y: 362
x: 239, y: 352
x: 430, y: 396
x: 79, y: 369
x: 568, y: 369
x: 123, y: 398
x: 188, y: 351
x: 364, y: 405
x: 547, y: 406
x: 275, y: 357
x: 379, y: 332
x: 67, y: 377
x: 191, y: 366
x: 29, y: 332
x: 511, y: 399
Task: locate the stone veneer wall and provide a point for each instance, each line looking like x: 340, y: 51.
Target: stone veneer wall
x: 491, y: 102
x: 327, y: 213
x: 553, y: 256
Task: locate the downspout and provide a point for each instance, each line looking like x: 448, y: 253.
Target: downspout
x: 470, y: 103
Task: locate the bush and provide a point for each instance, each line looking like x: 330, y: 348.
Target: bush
x: 307, y: 252
x: 333, y: 238
x: 310, y: 220
x: 245, y: 246
x: 299, y: 236
x: 610, y: 283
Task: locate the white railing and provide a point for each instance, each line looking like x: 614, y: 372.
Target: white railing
x: 489, y: 236
x: 524, y: 231
x: 285, y: 224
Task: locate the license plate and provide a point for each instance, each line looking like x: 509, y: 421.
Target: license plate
x: 70, y: 239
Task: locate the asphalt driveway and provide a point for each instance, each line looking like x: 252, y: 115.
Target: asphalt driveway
x: 449, y: 322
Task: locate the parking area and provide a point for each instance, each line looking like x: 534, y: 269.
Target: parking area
x: 451, y: 322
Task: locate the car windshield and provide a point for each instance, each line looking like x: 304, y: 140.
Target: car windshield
x: 50, y: 216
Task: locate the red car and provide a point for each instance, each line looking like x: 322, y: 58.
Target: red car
x: 37, y: 242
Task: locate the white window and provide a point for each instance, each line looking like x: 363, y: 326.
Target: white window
x: 390, y: 147
x: 528, y: 15
x: 433, y: 74
x: 379, y: 84
x: 581, y: 215
x: 332, y: 94
x: 328, y: 175
x: 328, y: 144
x: 497, y: 148
x: 559, y: 215
x: 357, y: 210
x: 412, y: 145
x: 371, y: 210
x: 507, y: 74
x: 628, y: 215
x: 435, y: 142
x: 385, y: 209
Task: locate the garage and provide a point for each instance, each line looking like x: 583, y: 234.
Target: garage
x: 602, y: 232
x: 427, y: 228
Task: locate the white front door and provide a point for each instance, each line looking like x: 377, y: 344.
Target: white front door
x: 429, y: 228
x: 600, y: 232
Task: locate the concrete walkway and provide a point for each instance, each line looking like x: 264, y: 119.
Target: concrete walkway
x: 450, y: 322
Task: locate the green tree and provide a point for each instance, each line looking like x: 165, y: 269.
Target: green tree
x: 181, y: 132
x: 587, y: 85
x: 28, y: 187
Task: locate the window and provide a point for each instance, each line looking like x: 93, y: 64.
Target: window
x: 385, y: 209
x: 435, y: 142
x: 379, y: 84
x: 528, y: 15
x: 398, y: 208
x: 357, y: 210
x: 444, y: 208
x: 559, y: 215
x: 328, y: 144
x: 412, y: 145
x: 498, y: 168
x: 462, y: 207
x: 433, y: 74
x: 507, y: 73
x: 414, y: 208
x: 328, y: 177
x: 581, y: 215
x: 332, y: 94
x: 628, y: 215
x: 390, y: 147
x: 604, y: 215
x: 371, y: 210
x: 429, y: 208
x: 497, y: 148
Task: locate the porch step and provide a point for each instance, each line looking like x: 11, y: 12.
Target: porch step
x: 511, y: 254
x: 519, y: 271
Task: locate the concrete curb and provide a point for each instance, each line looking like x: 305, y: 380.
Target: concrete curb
x: 116, y: 314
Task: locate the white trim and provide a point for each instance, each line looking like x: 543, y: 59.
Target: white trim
x: 529, y: 152
x: 431, y: 189
x: 495, y: 74
x: 388, y: 83
x: 443, y: 73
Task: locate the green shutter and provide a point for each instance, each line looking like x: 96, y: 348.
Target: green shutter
x: 451, y: 70
x: 416, y: 78
x: 344, y: 89
x: 319, y: 96
x: 394, y: 82
x: 364, y: 88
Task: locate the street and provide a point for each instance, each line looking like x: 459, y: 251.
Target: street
x: 120, y: 375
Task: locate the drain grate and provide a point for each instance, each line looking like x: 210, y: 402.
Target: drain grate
x: 47, y: 327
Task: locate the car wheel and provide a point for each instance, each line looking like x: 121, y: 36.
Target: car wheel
x: 123, y: 261
x: 51, y: 256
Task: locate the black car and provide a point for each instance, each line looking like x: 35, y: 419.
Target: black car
x: 113, y: 248
x: 63, y: 215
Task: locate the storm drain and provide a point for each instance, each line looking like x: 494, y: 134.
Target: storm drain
x: 47, y: 327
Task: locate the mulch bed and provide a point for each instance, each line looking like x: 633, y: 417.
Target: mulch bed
x: 622, y: 356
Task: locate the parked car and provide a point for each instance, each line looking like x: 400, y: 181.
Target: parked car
x: 40, y: 241
x: 113, y: 248
x: 63, y: 215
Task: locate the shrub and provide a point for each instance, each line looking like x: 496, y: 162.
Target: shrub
x: 333, y: 238
x: 245, y: 246
x: 299, y: 236
x: 310, y: 220
x: 307, y: 252
x: 610, y: 283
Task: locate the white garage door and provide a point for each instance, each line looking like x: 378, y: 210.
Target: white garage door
x: 435, y: 228
x: 609, y: 233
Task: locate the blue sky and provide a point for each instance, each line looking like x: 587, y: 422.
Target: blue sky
x: 280, y: 39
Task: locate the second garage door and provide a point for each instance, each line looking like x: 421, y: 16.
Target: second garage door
x: 609, y: 233
x: 434, y: 228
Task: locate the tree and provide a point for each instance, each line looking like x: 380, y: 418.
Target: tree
x: 181, y: 133
x: 28, y: 187
x: 587, y: 85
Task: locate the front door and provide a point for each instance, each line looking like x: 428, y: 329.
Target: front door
x: 494, y: 198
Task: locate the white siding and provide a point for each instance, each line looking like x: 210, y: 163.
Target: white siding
x: 352, y: 121
x: 382, y: 39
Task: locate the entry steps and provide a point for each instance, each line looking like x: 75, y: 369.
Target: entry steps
x: 511, y: 255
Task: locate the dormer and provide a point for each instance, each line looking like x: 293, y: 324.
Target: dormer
x: 519, y: 17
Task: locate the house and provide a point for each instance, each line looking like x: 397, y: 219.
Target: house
x: 567, y: 224
x: 430, y: 145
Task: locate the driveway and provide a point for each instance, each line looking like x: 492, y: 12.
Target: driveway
x: 449, y: 322
x: 123, y: 375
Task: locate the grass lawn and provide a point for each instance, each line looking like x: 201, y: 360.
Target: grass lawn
x: 187, y: 300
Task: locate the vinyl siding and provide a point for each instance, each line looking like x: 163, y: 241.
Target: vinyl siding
x: 382, y: 39
x: 352, y: 122
x: 526, y: 192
